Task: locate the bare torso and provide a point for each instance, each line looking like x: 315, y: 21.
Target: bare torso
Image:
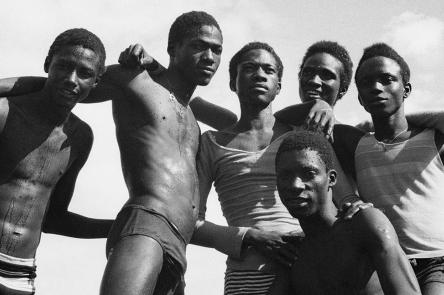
x: 334, y: 265
x: 33, y: 157
x: 158, y: 138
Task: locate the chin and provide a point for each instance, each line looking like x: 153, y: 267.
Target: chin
x: 203, y: 82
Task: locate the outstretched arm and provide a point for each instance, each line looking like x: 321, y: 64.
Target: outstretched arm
x: 20, y: 85
x: 433, y: 120
x: 232, y: 240
x: 211, y: 114
x: 316, y: 114
x: 378, y: 238
x: 58, y: 219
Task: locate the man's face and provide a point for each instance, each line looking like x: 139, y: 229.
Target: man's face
x: 257, y: 80
x: 380, y: 86
x: 72, y: 73
x: 198, y: 56
x: 320, y: 78
x: 303, y: 182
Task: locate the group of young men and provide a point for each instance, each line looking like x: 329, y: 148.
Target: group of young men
x: 276, y: 180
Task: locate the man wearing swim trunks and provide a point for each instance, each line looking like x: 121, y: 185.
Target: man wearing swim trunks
x: 399, y: 166
x: 43, y: 146
x: 158, y: 138
x: 337, y: 257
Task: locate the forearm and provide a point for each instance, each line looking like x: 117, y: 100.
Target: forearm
x: 78, y: 226
x: 295, y: 114
x: 434, y: 120
x: 20, y: 85
x: 225, y: 239
x: 211, y: 114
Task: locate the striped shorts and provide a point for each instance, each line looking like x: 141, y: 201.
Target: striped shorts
x: 245, y: 282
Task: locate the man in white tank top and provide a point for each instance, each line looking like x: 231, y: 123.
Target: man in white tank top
x: 399, y: 166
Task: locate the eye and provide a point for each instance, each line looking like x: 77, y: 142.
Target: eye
x: 270, y: 70
x: 85, y: 73
x: 327, y: 75
x: 387, y: 79
x: 217, y: 50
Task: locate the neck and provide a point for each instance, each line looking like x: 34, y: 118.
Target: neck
x: 387, y: 128
x: 321, y: 222
x: 49, y: 110
x: 179, y: 85
x: 256, y: 117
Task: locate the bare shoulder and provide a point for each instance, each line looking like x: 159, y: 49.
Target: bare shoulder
x: 370, y: 226
x: 80, y: 133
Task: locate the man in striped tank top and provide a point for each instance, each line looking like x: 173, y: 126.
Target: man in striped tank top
x: 398, y: 167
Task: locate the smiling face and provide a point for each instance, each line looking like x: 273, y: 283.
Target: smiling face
x: 197, y: 57
x: 303, y: 182
x: 257, y: 80
x: 72, y: 72
x: 380, y: 86
x: 320, y: 78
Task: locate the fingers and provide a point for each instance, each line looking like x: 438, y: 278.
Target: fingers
x: 132, y: 56
x: 321, y: 120
x: 349, y: 209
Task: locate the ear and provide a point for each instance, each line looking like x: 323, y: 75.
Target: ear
x: 332, y: 176
x: 341, y: 93
x: 279, y: 87
x: 97, y: 81
x: 233, y: 85
x: 46, y: 64
x: 360, y: 99
x: 407, y: 90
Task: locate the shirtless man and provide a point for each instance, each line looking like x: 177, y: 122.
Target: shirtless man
x: 43, y: 146
x: 399, y: 166
x: 337, y: 257
x: 158, y: 138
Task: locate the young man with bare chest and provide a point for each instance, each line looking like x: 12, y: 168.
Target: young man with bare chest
x: 399, y: 166
x: 43, y: 146
x: 337, y: 257
x: 158, y: 138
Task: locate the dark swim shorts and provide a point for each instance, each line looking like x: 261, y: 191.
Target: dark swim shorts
x: 428, y: 270
x: 138, y: 220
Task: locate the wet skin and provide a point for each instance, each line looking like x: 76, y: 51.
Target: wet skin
x: 320, y: 78
x: 42, y: 148
x: 157, y: 133
x: 338, y: 257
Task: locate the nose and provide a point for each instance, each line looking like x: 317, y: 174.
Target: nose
x: 314, y: 80
x: 297, y: 184
x: 376, y: 87
x: 71, y: 77
x: 259, y: 74
x: 208, y: 55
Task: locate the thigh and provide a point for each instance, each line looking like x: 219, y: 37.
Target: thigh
x: 133, y: 266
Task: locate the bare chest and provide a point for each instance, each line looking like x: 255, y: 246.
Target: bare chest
x: 40, y: 158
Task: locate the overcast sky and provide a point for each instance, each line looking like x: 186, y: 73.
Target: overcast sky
x: 414, y: 28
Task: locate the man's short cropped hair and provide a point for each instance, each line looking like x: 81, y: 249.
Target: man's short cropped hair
x: 78, y: 37
x: 312, y: 140
x: 339, y: 52
x: 188, y: 24
x: 382, y: 49
x: 237, y: 59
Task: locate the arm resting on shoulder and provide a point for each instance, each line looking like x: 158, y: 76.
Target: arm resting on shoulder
x: 433, y: 120
x: 211, y: 114
x: 20, y: 85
